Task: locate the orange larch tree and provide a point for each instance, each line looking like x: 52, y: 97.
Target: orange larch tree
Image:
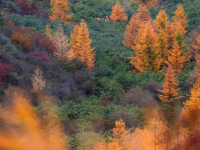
x: 48, y: 32
x: 195, y: 42
x: 143, y: 13
x: 147, y: 50
x: 170, y: 90
x: 180, y: 20
x: 148, y: 3
x: 74, y: 51
x: 161, y: 19
x: 191, y: 113
x: 86, y: 52
x: 170, y: 34
x: 118, y: 13
x: 131, y: 31
x: 163, y: 46
x: 59, y: 10
x: 80, y: 45
x: 176, y: 58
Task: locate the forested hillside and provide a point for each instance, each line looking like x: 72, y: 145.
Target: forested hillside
x: 99, y: 74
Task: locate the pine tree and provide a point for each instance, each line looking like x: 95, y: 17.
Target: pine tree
x: 180, y: 20
x: 170, y: 90
x: 80, y: 46
x: 131, y: 31
x: 161, y: 19
x: 147, y: 50
x: 118, y: 13
x: 176, y: 59
x: 143, y: 13
x: 61, y: 42
x: 59, y: 11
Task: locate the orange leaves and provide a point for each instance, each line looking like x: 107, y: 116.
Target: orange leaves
x: 59, y: 11
x: 80, y: 45
x: 147, y: 50
x: 176, y: 59
x: 131, y: 31
x: 24, y: 130
x: 180, y: 20
x: 143, y: 13
x: 161, y: 19
x: 170, y: 90
x: 118, y: 13
x: 191, y: 112
x: 25, y: 41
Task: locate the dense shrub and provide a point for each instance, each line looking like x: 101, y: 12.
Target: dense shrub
x: 28, y: 7
x: 139, y: 97
x: 44, y: 42
x: 40, y: 55
x: 129, y: 120
x: 4, y: 70
x: 25, y: 41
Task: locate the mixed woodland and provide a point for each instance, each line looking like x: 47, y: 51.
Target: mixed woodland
x: 99, y: 74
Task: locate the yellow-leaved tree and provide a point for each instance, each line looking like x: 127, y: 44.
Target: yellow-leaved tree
x: 176, y: 58
x: 59, y: 11
x: 170, y: 87
x: 80, y: 46
x: 147, y: 50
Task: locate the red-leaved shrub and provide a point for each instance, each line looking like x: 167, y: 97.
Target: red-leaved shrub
x: 27, y: 7
x: 40, y: 55
x: 4, y: 70
x: 25, y: 41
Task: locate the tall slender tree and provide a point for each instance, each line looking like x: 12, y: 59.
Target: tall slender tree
x: 180, y: 20
x: 170, y: 87
x: 161, y: 19
x: 61, y: 42
x: 176, y: 58
x: 80, y: 45
x: 131, y: 31
x: 143, y: 13
x: 147, y: 50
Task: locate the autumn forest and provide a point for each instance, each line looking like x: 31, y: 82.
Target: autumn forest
x: 99, y: 74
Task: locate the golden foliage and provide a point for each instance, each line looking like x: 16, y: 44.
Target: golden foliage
x: 176, y: 59
x: 23, y: 130
x: 48, y: 32
x: 147, y: 50
x: 170, y: 90
x: 59, y: 11
x: 143, y: 14
x: 38, y: 80
x: 80, y: 46
x: 118, y: 13
x: 191, y: 112
x: 170, y: 34
x: 180, y: 20
x: 131, y: 31
x: 161, y: 19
